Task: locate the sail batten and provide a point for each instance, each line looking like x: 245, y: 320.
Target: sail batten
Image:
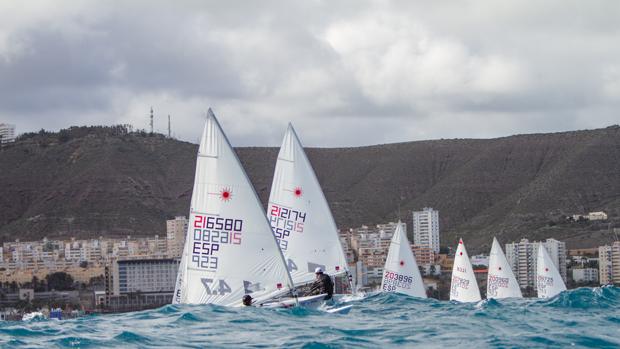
x: 300, y: 216
x: 401, y: 273
x: 229, y: 250
x: 501, y: 281
x: 463, y: 287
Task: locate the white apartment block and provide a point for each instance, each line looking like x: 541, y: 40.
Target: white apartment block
x: 615, y: 262
x: 597, y: 216
x: 7, y: 133
x: 523, y: 256
x: 144, y: 275
x: 479, y: 259
x: 426, y: 228
x: 585, y: 275
x: 609, y: 263
x: 176, y: 229
x: 604, y: 265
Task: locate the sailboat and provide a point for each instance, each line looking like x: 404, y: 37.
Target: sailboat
x: 464, y: 287
x: 230, y: 250
x: 300, y: 216
x: 501, y: 281
x: 549, y: 282
x: 401, y: 273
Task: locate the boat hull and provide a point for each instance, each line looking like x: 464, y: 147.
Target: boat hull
x: 312, y: 302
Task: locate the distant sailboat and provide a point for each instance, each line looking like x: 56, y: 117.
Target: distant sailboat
x: 501, y: 281
x: 464, y: 287
x: 230, y: 249
x: 549, y: 282
x: 300, y: 216
x: 401, y: 273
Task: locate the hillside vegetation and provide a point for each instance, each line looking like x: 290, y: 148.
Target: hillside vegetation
x: 105, y: 181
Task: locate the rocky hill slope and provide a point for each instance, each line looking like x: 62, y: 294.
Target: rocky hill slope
x: 103, y: 181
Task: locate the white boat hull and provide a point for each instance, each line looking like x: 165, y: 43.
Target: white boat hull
x: 306, y: 302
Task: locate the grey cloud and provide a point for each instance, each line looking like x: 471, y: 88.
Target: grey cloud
x: 375, y: 71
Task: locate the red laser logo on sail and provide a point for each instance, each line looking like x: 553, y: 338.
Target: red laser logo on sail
x: 298, y: 192
x: 226, y: 194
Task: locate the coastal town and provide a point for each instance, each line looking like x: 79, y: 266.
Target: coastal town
x: 132, y: 273
x: 309, y: 174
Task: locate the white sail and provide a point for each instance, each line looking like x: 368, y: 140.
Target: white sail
x: 464, y: 287
x: 401, y: 273
x: 229, y: 249
x: 300, y: 216
x: 548, y: 280
x: 501, y: 281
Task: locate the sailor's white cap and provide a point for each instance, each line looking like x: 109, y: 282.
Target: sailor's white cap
x: 318, y: 270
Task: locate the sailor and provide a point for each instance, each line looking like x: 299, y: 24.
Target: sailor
x: 247, y: 300
x: 323, y: 284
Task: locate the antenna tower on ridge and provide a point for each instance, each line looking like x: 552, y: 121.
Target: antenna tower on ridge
x: 151, y: 120
x: 169, y: 131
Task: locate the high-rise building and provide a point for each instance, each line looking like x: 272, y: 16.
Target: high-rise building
x: 426, y: 228
x: 609, y: 263
x: 7, y: 133
x: 175, y: 236
x: 615, y: 262
x: 604, y: 265
x: 523, y: 257
x: 585, y: 274
x: 345, y: 241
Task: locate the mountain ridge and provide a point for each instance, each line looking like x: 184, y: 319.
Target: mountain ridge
x: 92, y: 181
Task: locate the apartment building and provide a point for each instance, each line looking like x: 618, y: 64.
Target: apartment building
x: 426, y: 228
x: 176, y: 229
x: 7, y: 133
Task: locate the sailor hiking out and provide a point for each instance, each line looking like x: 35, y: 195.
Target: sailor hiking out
x: 322, y: 285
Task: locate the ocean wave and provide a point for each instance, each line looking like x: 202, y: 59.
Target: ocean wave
x: 584, y: 317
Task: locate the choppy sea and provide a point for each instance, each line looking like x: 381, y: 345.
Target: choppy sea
x: 584, y: 317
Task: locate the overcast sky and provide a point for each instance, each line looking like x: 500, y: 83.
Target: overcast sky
x: 345, y: 73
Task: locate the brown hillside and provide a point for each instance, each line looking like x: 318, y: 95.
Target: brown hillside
x: 96, y: 181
